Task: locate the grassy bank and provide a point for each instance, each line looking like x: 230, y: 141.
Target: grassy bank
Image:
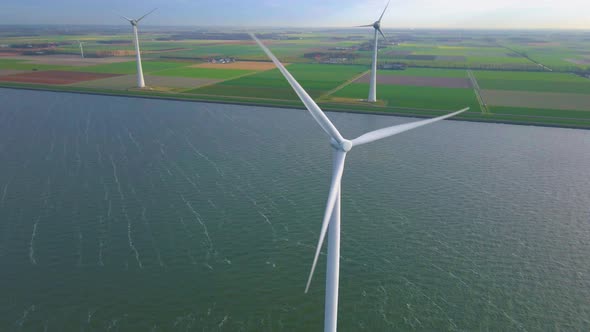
x: 360, y: 108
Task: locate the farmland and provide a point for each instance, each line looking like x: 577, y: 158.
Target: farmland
x: 54, y: 77
x: 13, y: 64
x: 445, y: 82
x: 401, y: 96
x: 522, y: 77
x: 538, y: 100
x: 533, y: 81
x: 129, y: 67
x: 165, y: 83
x: 317, y: 80
x: 426, y: 72
x: 203, y: 72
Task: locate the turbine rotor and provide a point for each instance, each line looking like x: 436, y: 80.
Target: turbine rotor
x: 331, y: 216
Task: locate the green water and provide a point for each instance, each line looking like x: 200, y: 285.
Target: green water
x: 122, y: 214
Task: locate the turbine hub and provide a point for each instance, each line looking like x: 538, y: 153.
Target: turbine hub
x: 377, y: 25
x: 345, y: 145
x: 133, y: 22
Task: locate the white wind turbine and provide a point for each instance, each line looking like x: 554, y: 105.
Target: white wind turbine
x: 341, y: 146
x: 81, y: 48
x: 373, y: 83
x: 140, y: 81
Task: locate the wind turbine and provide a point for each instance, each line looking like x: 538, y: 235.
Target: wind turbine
x: 81, y: 48
x: 140, y: 81
x: 373, y: 83
x: 341, y: 147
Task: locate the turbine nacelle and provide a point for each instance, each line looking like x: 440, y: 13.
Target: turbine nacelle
x: 134, y: 22
x: 377, y: 25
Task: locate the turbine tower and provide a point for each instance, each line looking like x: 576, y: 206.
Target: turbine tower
x: 81, y: 48
x: 134, y: 23
x: 373, y: 83
x: 341, y: 147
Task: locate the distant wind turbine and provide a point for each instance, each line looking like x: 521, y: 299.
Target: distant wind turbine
x: 373, y: 82
x: 81, y: 48
x: 331, y: 219
x: 140, y: 81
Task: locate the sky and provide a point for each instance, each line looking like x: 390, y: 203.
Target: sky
x: 449, y: 14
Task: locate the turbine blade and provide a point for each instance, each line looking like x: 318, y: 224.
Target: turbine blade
x: 125, y: 17
x: 363, y: 26
x: 313, y: 108
x: 337, y: 171
x: 141, y: 18
x: 390, y: 131
x: 381, y: 32
x: 380, y: 17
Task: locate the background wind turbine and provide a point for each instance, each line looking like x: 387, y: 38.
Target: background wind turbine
x: 373, y: 83
x: 140, y: 81
x: 341, y: 146
x: 81, y: 48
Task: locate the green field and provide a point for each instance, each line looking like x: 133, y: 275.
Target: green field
x: 437, y: 54
x: 555, y: 54
x: 426, y: 72
x: 216, y: 50
x: 415, y: 97
x: 540, y: 86
x: 563, y: 114
x: 316, y: 79
x: 531, y: 81
x: 202, y: 73
x: 24, y: 65
x: 287, y: 51
x: 416, y: 54
x: 528, y: 76
x: 253, y: 92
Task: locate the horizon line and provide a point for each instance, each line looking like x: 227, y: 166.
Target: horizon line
x: 305, y: 27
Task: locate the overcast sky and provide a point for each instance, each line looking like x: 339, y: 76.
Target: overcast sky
x: 502, y: 14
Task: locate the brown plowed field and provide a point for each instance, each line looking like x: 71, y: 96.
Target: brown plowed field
x: 549, y: 100
x: 54, y: 77
x: 443, y: 82
x: 5, y: 72
x: 68, y: 60
x: 244, y: 65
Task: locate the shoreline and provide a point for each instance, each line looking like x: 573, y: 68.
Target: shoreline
x: 126, y: 94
